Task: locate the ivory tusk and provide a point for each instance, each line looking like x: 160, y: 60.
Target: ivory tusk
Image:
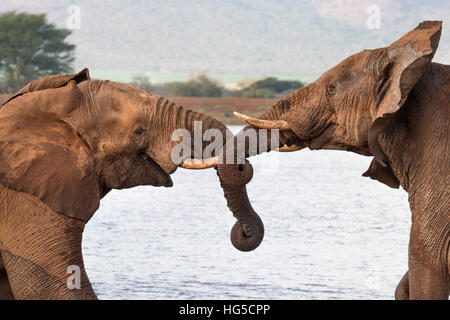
x: 198, y: 164
x: 290, y: 148
x: 263, y: 124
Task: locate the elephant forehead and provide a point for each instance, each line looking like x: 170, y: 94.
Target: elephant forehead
x: 358, y: 63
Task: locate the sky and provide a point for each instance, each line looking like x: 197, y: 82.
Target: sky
x: 230, y: 40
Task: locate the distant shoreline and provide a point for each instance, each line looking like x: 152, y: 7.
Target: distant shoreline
x: 229, y: 80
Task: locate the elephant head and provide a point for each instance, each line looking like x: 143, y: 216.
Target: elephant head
x: 69, y: 140
x: 350, y: 105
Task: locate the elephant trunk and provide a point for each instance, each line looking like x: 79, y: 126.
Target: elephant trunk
x: 235, y: 172
x: 248, y: 231
x: 196, y: 123
x: 270, y: 139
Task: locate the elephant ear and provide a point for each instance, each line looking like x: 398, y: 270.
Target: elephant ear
x: 408, y: 57
x: 51, y: 82
x: 383, y: 174
x: 42, y: 155
x: 60, y: 102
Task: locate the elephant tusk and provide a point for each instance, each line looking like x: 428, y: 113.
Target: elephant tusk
x: 292, y: 148
x: 263, y: 124
x: 198, y: 164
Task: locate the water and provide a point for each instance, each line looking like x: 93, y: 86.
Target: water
x: 330, y: 234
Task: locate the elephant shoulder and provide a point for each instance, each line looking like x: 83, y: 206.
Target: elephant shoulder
x: 43, y: 156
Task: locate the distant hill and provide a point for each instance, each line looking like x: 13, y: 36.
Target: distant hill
x: 240, y: 37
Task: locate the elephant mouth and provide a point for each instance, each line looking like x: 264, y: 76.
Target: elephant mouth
x: 146, y: 171
x: 159, y: 176
x: 319, y: 142
x: 323, y: 140
x: 327, y: 141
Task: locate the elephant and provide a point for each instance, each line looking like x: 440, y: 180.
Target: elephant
x: 391, y: 103
x: 65, y: 142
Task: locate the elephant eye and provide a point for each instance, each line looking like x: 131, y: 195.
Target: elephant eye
x: 139, y: 131
x: 331, y: 89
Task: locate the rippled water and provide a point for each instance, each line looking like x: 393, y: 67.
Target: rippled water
x: 330, y: 234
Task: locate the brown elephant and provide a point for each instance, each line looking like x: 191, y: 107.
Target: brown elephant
x: 65, y: 142
x: 393, y: 104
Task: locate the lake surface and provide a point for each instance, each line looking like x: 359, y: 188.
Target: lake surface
x: 329, y: 234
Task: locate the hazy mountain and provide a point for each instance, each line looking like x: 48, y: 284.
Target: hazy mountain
x: 248, y: 37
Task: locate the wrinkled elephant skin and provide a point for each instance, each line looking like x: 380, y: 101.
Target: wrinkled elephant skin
x: 392, y: 103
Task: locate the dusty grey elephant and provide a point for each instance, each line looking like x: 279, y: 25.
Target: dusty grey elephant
x: 393, y: 104
x: 65, y: 142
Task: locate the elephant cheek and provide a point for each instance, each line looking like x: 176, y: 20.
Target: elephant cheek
x: 362, y: 130
x: 129, y: 173
x: 308, y: 122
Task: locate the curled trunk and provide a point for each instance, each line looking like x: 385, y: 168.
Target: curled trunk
x: 235, y: 173
x: 248, y: 231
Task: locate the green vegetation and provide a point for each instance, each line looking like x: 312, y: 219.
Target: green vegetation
x: 31, y: 48
x: 270, y: 88
x: 199, y: 86
x: 203, y: 86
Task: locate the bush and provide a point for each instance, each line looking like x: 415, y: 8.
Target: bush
x: 270, y: 88
x: 203, y: 86
x: 258, y: 93
x: 199, y: 86
x: 142, y: 82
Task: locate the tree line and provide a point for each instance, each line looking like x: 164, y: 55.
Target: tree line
x: 203, y: 86
x: 31, y: 48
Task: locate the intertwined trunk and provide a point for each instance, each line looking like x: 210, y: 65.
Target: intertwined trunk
x: 237, y: 172
x: 248, y: 231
